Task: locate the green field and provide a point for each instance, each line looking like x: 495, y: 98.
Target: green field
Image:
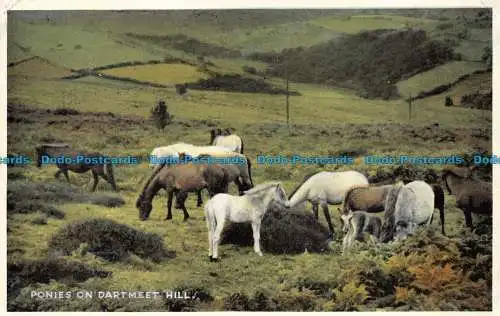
x: 444, y: 74
x: 357, y: 23
x: 167, y: 74
x: 324, y: 121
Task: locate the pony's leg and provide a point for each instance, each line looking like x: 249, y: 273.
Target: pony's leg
x: 216, y: 237
x: 315, y: 210
x: 186, y: 214
x: 324, y: 205
x: 96, y: 180
x: 169, y: 204
x: 209, y: 227
x: 200, y: 200
x: 256, y: 238
x: 344, y: 243
x: 65, y: 172
x: 468, y: 218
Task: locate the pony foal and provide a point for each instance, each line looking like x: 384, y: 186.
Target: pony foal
x: 249, y: 207
x: 356, y: 224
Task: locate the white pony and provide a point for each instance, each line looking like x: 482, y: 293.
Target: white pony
x: 407, y: 207
x: 232, y: 141
x: 249, y: 207
x: 188, y: 149
x: 325, y: 188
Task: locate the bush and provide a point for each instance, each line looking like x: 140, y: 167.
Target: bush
x: 26, y: 272
x: 34, y: 196
x: 160, y: 115
x: 109, y: 240
x: 281, y: 232
x: 478, y: 100
x: 237, y: 83
x: 448, y: 101
x: 250, y: 69
x: 65, y: 111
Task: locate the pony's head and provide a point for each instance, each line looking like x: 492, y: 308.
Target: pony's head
x: 280, y: 193
x: 144, y: 207
x: 346, y: 219
x: 402, y: 230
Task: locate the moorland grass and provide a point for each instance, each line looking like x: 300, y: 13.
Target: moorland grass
x: 325, y: 121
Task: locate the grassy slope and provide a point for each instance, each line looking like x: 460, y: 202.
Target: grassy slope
x: 357, y: 23
x: 163, y: 73
x: 443, y: 74
x: 253, y: 114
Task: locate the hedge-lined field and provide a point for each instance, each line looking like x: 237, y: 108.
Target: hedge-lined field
x: 167, y: 74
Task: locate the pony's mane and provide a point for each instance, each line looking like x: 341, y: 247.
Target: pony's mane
x: 351, y: 189
x: 157, y: 170
x: 390, y: 209
x: 261, y: 187
x: 307, y: 177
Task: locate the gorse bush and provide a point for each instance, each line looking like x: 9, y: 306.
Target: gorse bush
x: 282, y: 231
x: 109, y: 240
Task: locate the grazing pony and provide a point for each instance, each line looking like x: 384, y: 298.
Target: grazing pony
x: 177, y: 179
x: 249, y: 207
x: 407, y: 206
x: 356, y: 224
x: 325, y: 188
x: 372, y: 199
x: 230, y: 141
x: 472, y: 195
x: 239, y: 173
x: 105, y: 171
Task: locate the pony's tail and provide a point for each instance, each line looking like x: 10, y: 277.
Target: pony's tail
x: 242, y: 146
x: 249, y: 168
x: 157, y: 169
x: 439, y: 204
x: 108, y: 170
x: 390, y: 207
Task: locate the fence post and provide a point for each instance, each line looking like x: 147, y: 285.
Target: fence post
x: 409, y: 107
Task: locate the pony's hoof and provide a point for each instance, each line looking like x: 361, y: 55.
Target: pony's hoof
x: 260, y: 254
x: 186, y: 218
x: 212, y: 259
x: 167, y: 218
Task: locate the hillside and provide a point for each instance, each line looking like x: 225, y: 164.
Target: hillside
x: 90, y: 79
x: 382, y: 58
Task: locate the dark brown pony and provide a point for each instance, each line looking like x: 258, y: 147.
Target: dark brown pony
x: 63, y: 150
x: 178, y: 180
x: 472, y: 195
x: 241, y: 175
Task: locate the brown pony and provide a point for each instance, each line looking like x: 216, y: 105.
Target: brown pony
x: 63, y: 150
x: 372, y: 199
x: 178, y: 180
x: 472, y: 195
x: 240, y: 174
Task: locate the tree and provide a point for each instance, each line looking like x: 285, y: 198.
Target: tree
x: 448, y: 101
x: 487, y: 57
x: 160, y: 115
